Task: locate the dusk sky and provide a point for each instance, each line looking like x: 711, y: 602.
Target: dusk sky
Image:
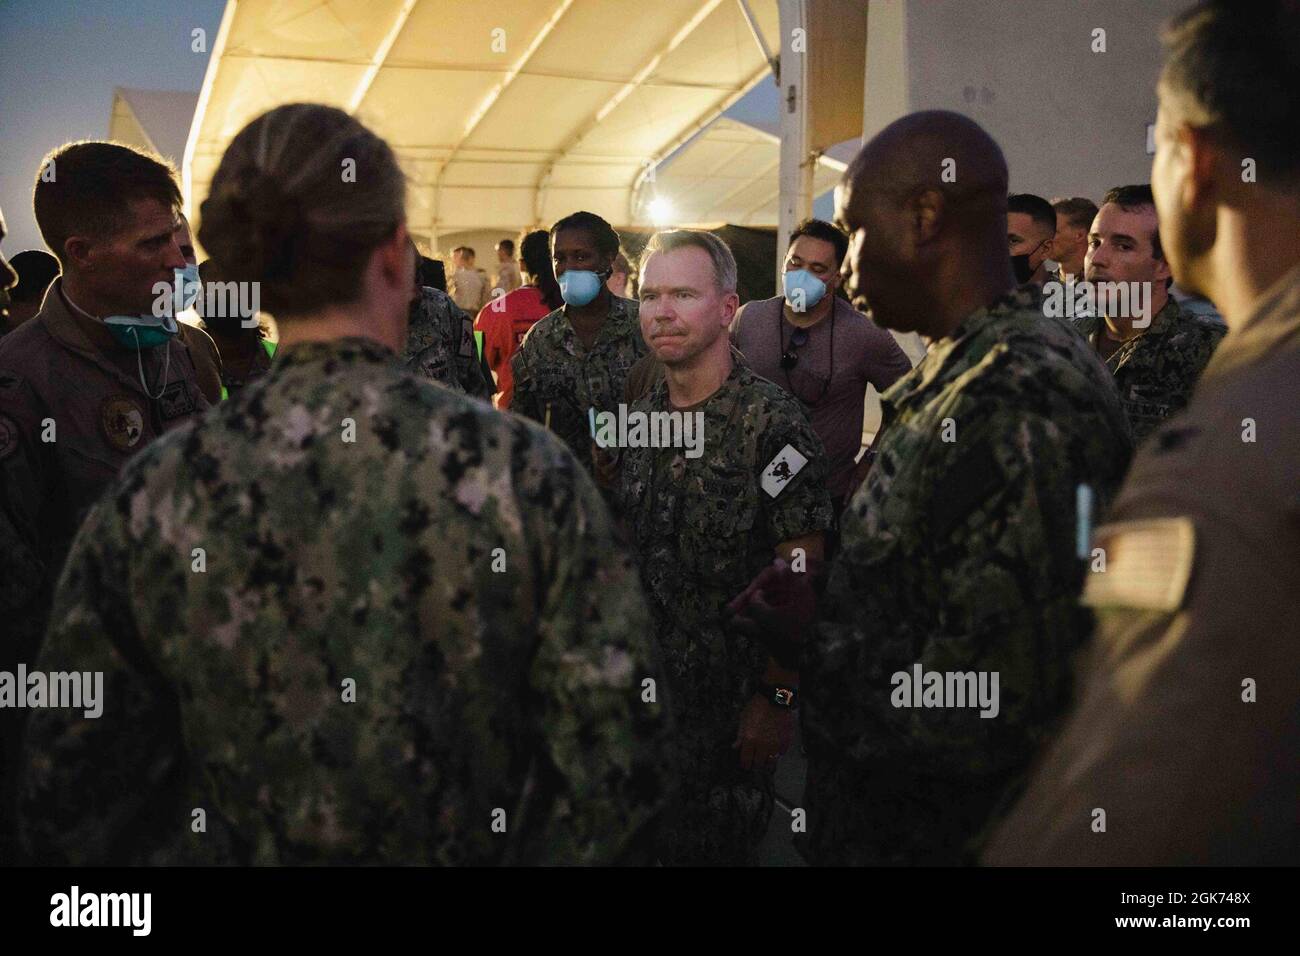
x: 61, y: 59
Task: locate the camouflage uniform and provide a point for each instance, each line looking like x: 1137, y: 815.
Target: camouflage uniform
x: 478, y: 685
x: 959, y: 555
x: 703, y: 528
x: 553, y: 370
x: 1156, y: 371
x: 440, y: 345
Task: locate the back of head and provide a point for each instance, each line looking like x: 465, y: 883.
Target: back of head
x: 87, y: 188
x: 535, y: 250
x: 1235, y: 67
x: 951, y: 154
x: 36, y: 269
x: 433, y: 273
x: 925, y: 205
x: 280, y: 212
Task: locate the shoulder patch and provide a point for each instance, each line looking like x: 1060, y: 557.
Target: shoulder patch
x: 781, y: 469
x: 1147, y: 564
x: 122, y: 422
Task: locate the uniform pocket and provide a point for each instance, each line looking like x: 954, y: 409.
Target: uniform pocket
x: 720, y: 518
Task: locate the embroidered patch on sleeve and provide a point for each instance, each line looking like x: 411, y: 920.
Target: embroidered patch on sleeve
x: 781, y: 469
x: 1147, y: 564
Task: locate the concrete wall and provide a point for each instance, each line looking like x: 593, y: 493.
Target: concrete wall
x: 1071, y: 122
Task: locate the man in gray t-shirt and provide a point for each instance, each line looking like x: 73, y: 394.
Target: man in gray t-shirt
x: 793, y: 339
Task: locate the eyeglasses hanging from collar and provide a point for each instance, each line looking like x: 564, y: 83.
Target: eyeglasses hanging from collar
x: 790, y: 358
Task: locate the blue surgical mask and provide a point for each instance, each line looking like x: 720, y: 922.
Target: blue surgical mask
x: 803, y: 290
x: 187, y: 287
x: 141, y: 331
x: 579, y: 286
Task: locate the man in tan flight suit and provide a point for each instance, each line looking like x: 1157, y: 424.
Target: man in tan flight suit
x: 77, y: 396
x: 1183, y: 745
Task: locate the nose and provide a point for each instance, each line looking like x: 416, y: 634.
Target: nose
x: 175, y: 258
x: 849, y: 278
x: 660, y: 310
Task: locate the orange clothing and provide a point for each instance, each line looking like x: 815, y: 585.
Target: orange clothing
x: 504, y: 322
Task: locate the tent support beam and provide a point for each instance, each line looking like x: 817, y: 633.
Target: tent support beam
x: 704, y: 183
x: 797, y: 161
x: 768, y: 58
x: 488, y: 102
x: 380, y: 56
x: 646, y: 173
x: 721, y: 201
x: 628, y: 88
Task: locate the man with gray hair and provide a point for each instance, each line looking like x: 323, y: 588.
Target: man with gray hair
x: 703, y: 526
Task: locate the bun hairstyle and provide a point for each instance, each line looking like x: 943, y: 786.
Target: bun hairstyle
x: 287, y: 209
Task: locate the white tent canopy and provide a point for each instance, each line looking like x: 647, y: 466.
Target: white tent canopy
x: 504, y: 114
x: 728, y: 174
x: 157, y: 120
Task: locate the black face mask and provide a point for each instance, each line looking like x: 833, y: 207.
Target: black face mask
x: 1023, y: 270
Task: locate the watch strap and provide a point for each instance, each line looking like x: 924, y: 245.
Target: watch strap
x: 787, y: 697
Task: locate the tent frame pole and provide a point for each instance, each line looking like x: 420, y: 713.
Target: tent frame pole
x: 797, y: 161
x: 772, y: 61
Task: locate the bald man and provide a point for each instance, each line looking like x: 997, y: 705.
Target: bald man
x: 942, y: 655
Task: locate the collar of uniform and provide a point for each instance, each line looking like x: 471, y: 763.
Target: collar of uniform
x: 351, y: 350
x: 1093, y: 327
x: 740, y: 374
x: 72, y: 328
x: 619, y: 323
x: 941, y: 355
x: 86, y: 335
x: 1274, y: 321
x: 1163, y: 322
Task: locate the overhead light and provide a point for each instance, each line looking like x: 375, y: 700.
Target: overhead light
x: 660, y: 210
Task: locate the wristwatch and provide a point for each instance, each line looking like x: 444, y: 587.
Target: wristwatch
x: 786, y: 697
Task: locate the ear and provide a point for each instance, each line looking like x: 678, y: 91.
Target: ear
x: 730, y: 303
x: 1199, y: 155
x: 79, y: 252
x: 926, y: 215
x: 1163, y: 271
x: 396, y: 264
